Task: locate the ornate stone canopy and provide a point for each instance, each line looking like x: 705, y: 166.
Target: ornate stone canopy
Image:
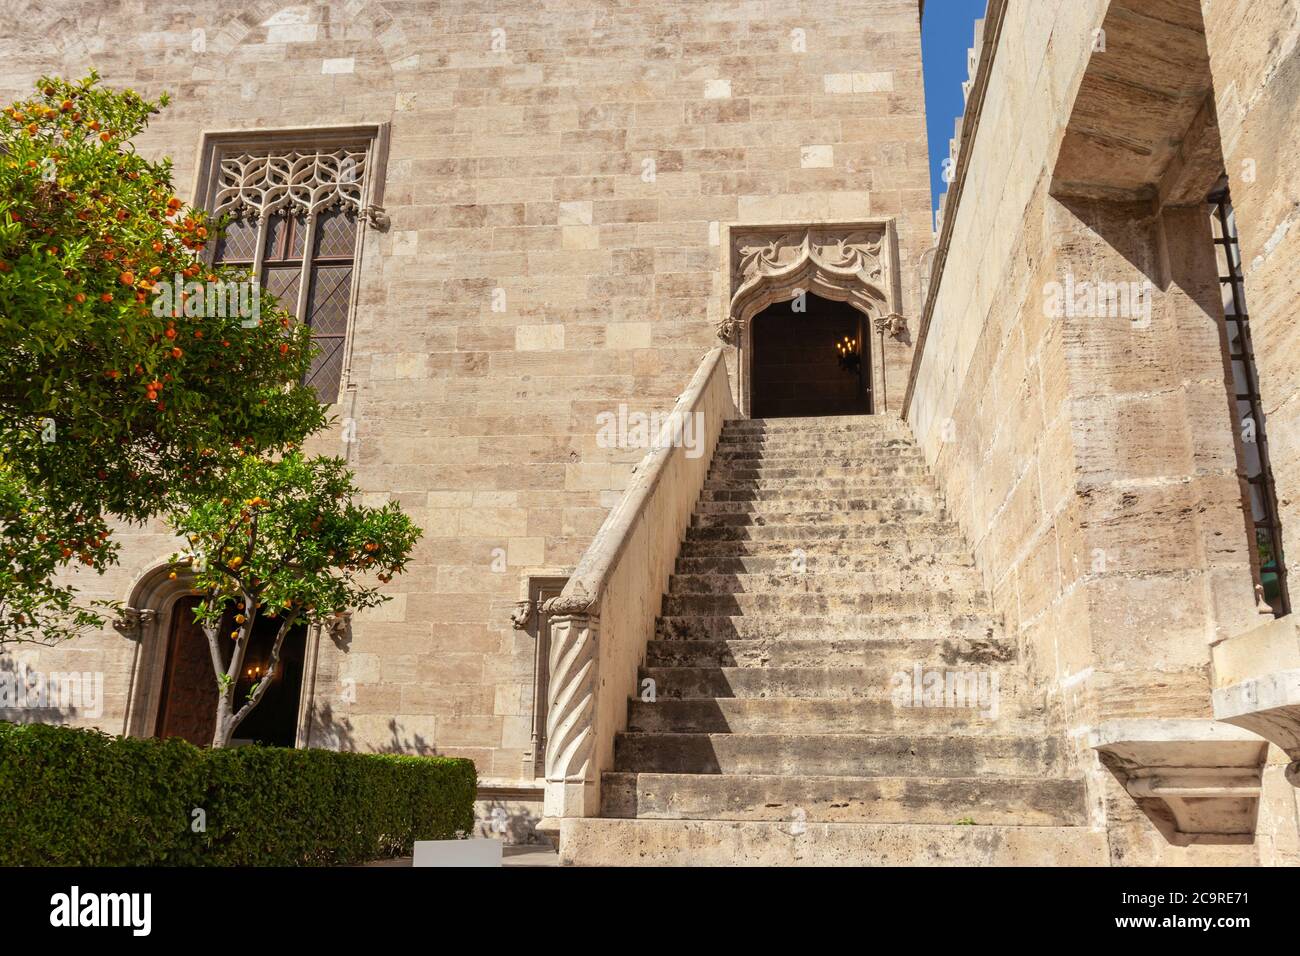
x: 849, y: 262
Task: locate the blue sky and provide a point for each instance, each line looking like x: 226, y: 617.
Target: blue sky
x: 946, y: 34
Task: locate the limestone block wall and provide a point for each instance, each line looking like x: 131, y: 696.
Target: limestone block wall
x: 1254, y: 51
x: 556, y: 180
x: 1255, y: 59
x: 991, y: 396
x: 1088, y: 455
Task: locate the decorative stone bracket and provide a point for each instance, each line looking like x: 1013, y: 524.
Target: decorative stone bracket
x: 522, y: 616
x: 1198, y: 781
x: 893, y: 325
x: 131, y: 622
x: 338, y: 626
x: 1257, y: 685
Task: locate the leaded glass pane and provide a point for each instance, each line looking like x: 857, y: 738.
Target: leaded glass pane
x: 330, y: 290
x: 327, y: 367
x: 239, y: 244
x: 282, y: 282
x: 336, y: 233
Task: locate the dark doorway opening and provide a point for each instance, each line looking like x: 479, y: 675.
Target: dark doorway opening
x: 188, y: 703
x: 812, y: 357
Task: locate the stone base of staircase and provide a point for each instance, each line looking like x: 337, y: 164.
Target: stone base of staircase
x: 610, y: 842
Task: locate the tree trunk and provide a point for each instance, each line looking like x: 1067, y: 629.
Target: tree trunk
x: 228, y: 678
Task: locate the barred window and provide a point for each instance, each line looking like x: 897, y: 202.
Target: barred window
x: 295, y: 211
x: 1264, y: 515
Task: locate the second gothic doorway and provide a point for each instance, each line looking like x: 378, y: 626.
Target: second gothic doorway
x: 187, y: 705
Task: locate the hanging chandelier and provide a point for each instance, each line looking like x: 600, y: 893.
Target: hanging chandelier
x: 850, y: 354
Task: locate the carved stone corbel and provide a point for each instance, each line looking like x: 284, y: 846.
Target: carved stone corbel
x: 729, y: 329
x: 893, y: 325
x: 131, y: 622
x: 376, y: 217
x: 522, y: 616
x: 571, y: 711
x: 338, y: 626
x: 1197, y: 780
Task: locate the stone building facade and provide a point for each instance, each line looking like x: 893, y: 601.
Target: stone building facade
x: 543, y: 216
x: 558, y: 182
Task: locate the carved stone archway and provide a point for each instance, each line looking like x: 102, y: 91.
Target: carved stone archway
x: 146, y: 619
x: 853, y: 262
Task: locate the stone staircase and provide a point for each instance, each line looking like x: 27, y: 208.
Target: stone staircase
x: 821, y: 576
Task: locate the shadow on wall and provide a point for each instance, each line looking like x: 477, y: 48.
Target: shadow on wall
x: 336, y: 733
x: 31, y: 697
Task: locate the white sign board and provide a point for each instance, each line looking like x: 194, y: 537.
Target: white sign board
x: 457, y: 853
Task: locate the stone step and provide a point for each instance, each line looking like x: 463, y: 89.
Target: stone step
x: 775, y: 504
x: 1001, y: 801
x: 879, y: 544
x: 938, y: 624
x: 903, y: 519
x: 957, y: 650
x: 883, y: 449
x: 953, y: 754
x: 822, y: 605
x: 810, y: 582
x: 810, y: 537
x: 801, y: 467
x: 817, y: 445
x: 830, y: 425
x: 824, y: 563
x: 786, y: 491
x: 977, y: 687
x: 798, y: 715
x: 597, y: 841
x: 727, y: 460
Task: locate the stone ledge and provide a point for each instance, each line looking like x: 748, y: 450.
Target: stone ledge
x: 1198, y: 781
x: 1257, y: 685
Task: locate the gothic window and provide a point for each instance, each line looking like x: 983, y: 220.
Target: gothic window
x: 295, y: 208
x: 1246, y: 404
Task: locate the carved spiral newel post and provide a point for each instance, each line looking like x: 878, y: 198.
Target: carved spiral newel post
x: 571, y: 715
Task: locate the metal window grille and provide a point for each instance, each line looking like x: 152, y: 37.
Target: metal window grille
x: 1249, y: 412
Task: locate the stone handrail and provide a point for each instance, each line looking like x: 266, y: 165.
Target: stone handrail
x: 602, y: 620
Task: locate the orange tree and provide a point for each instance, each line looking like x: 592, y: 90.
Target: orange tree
x: 109, y: 403
x: 281, y: 539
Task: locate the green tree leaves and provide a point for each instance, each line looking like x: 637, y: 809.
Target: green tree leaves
x: 108, y: 405
x: 282, y: 538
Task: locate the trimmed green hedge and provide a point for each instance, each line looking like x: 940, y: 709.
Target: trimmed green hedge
x: 82, y: 798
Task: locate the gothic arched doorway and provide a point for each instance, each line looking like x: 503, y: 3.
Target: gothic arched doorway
x: 811, y: 357
x: 187, y: 702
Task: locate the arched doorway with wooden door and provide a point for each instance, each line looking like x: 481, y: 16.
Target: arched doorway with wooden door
x: 809, y: 310
x: 811, y: 357
x: 174, y: 688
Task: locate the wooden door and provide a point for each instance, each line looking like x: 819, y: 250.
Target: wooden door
x: 188, y: 703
